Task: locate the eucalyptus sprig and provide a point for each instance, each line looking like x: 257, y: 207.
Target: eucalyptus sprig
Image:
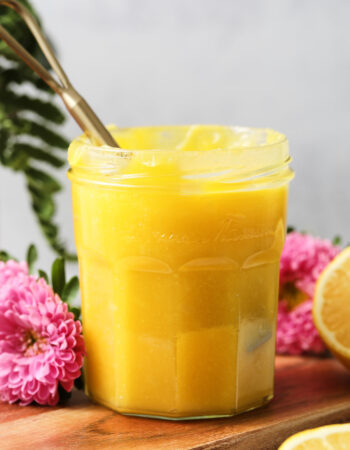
x: 31, y: 141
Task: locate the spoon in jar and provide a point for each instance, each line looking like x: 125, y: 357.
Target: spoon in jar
x: 74, y: 102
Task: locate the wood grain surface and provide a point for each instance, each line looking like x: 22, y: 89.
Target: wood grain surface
x: 309, y: 392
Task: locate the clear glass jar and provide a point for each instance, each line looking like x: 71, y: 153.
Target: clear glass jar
x: 179, y: 236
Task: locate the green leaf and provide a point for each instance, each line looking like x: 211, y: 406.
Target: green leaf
x: 32, y: 256
x: 4, y: 256
x: 70, y: 290
x: 14, y: 75
x: 44, y: 206
x: 44, y: 275
x: 58, y: 276
x: 39, y: 154
x: 290, y: 229
x: 17, y: 161
x: 44, y: 109
x: 20, y: 73
x: 42, y: 180
x: 49, y: 228
x: 76, y: 311
x: 50, y: 137
x: 337, y: 240
x: 69, y: 256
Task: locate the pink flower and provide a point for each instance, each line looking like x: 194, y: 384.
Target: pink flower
x: 41, y: 346
x: 303, y: 259
x: 296, y: 333
x: 11, y: 270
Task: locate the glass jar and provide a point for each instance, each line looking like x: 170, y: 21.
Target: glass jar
x: 179, y: 235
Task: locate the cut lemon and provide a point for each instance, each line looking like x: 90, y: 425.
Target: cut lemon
x: 331, y: 307
x: 331, y: 437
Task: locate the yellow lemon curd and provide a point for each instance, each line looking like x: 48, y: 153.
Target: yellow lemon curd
x: 179, y: 235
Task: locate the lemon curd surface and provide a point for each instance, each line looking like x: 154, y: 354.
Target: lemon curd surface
x: 179, y: 235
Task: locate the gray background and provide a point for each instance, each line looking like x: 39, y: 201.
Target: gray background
x: 280, y: 64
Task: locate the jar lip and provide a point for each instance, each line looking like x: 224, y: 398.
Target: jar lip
x: 278, y: 138
x: 237, y: 162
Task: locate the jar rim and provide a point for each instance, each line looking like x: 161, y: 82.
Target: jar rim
x: 249, y: 154
x: 278, y: 138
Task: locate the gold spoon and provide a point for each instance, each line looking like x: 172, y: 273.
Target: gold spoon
x: 76, y: 105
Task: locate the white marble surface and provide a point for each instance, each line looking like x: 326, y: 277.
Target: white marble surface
x: 281, y: 64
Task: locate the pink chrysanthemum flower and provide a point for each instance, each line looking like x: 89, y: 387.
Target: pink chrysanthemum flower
x: 41, y: 346
x: 11, y: 270
x: 296, y: 333
x: 303, y: 259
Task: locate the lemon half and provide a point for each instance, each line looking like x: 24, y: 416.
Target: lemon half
x: 331, y: 307
x: 330, y: 437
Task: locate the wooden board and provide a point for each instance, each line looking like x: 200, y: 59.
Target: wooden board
x: 309, y: 392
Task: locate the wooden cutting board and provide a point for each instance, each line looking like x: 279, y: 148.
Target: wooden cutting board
x: 309, y: 392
